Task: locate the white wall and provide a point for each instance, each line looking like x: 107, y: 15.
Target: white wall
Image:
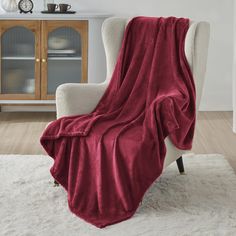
x: 217, y: 93
x: 234, y: 74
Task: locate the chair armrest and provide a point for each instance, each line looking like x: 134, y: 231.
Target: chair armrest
x: 78, y: 99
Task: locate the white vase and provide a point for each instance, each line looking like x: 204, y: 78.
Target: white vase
x: 9, y: 5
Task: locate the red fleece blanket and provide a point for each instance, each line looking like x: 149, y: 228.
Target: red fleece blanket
x: 106, y: 160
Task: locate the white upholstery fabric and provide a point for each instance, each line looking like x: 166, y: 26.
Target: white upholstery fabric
x: 72, y: 99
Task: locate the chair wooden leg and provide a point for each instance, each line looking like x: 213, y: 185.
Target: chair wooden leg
x: 180, y: 165
x: 56, y: 184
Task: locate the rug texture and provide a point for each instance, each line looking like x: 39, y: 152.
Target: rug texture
x: 203, y: 202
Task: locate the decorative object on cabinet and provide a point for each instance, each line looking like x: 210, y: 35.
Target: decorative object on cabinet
x: 64, y: 7
x: 14, y: 81
x: 25, y: 6
x: 9, y: 5
x: 29, y: 86
x: 58, y: 12
x: 52, y: 7
x: 59, y: 42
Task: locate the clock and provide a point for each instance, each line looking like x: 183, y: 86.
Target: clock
x: 25, y: 6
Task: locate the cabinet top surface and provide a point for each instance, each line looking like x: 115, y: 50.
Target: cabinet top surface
x: 80, y: 15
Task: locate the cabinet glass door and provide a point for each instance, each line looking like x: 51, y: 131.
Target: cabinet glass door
x: 19, y: 79
x: 65, y: 55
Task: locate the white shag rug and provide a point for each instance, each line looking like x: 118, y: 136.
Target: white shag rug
x: 203, y: 202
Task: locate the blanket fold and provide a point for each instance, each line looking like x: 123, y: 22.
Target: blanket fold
x: 107, y: 160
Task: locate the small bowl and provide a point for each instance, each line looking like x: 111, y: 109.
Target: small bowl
x: 58, y: 43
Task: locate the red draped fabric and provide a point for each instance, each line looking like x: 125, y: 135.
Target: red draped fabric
x: 106, y: 160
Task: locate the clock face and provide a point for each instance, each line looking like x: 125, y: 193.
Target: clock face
x: 26, y: 5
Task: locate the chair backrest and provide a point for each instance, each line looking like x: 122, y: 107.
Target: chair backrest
x: 196, y: 48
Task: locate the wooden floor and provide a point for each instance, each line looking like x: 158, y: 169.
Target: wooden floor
x: 20, y: 133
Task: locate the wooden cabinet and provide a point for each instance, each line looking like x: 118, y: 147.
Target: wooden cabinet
x: 39, y: 55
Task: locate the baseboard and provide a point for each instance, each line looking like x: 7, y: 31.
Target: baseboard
x: 28, y: 108
x: 215, y: 107
x: 12, y: 108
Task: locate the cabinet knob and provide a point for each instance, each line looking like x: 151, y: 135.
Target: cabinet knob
x: 43, y: 60
x: 37, y: 60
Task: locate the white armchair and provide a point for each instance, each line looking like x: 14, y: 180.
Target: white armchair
x: 76, y: 99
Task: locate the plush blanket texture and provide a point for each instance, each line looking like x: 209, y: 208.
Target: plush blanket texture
x: 107, y: 160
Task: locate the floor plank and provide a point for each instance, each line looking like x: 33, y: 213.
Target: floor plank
x: 214, y: 135
x: 20, y: 133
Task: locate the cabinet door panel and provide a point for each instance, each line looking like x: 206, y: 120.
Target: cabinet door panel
x: 20, y: 73
x: 63, y: 71
x: 64, y: 53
